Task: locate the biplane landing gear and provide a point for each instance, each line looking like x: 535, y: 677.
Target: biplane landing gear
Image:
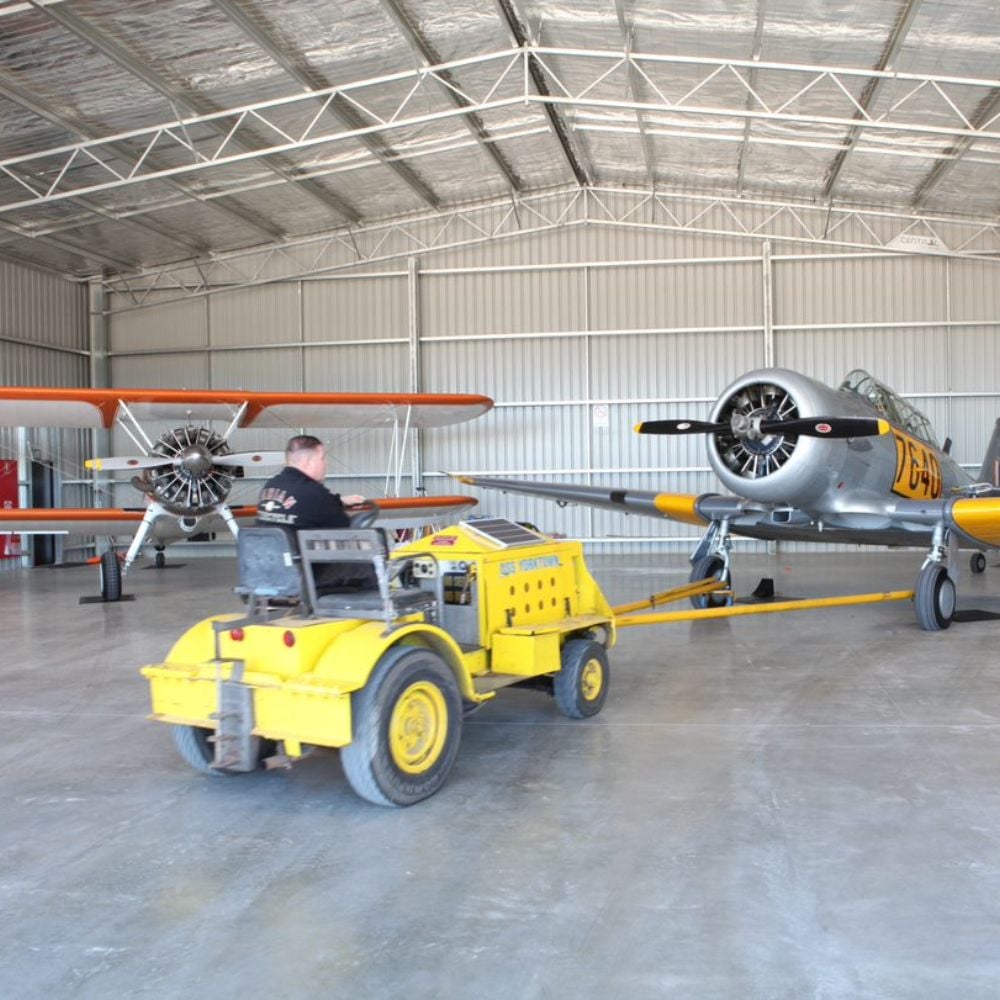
x: 978, y: 563
x: 934, y: 596
x: 111, y: 576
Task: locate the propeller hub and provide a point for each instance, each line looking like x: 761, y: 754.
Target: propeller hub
x: 195, y: 460
x: 189, y: 482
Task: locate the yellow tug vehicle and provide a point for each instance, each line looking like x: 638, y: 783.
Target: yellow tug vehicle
x: 385, y: 674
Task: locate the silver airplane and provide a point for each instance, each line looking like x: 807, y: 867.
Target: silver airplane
x: 810, y: 463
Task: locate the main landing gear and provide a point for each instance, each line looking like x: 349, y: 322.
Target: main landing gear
x: 934, y: 595
x: 711, y: 560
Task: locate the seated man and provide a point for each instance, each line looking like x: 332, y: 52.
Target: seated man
x: 297, y: 500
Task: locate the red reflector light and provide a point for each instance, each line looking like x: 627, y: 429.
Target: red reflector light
x: 236, y: 634
x: 289, y: 639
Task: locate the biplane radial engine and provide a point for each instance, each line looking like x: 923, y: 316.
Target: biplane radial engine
x: 187, y: 473
x: 805, y: 462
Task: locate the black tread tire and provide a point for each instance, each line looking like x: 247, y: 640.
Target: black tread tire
x: 977, y: 563
x: 709, y: 566
x: 367, y: 760
x: 159, y: 560
x: 111, y: 576
x: 193, y: 746
x: 571, y: 687
x: 934, y: 598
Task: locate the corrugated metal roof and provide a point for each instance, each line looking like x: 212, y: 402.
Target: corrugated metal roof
x: 134, y: 133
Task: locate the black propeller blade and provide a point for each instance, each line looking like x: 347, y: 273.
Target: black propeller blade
x: 680, y: 427
x: 823, y: 427
x: 827, y: 427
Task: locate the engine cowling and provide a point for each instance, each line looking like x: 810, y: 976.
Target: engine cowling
x: 775, y: 468
x: 189, y: 482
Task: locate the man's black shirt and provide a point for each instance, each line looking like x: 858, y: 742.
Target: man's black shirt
x: 294, y: 500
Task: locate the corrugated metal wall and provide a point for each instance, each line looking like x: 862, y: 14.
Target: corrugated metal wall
x: 578, y: 334
x: 44, y: 341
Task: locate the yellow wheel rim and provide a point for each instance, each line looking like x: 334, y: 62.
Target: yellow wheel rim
x: 418, y: 728
x: 592, y: 680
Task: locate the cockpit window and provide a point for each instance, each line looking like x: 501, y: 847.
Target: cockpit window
x: 894, y: 408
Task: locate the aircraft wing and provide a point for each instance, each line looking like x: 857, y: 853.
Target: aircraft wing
x: 690, y: 508
x: 975, y: 519
x: 395, y: 512
x: 60, y: 407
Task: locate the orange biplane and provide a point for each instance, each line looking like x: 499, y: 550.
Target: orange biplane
x: 187, y: 473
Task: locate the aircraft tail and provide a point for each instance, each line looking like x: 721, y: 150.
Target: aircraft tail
x: 990, y: 471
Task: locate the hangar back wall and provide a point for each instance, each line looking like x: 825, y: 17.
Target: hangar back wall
x: 577, y: 333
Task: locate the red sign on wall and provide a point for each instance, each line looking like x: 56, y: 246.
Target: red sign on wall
x: 10, y: 545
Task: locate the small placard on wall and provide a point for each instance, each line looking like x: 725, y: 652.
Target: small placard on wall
x: 601, y: 416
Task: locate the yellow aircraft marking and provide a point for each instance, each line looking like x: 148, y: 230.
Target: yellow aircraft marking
x: 979, y: 518
x: 678, y: 507
x: 918, y: 471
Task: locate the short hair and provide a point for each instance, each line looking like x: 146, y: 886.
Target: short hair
x: 300, y: 443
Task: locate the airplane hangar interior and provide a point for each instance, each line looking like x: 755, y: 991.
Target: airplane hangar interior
x: 652, y: 351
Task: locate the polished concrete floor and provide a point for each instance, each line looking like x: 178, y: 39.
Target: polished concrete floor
x: 795, y: 806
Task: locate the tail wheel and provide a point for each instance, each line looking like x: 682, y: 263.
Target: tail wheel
x: 934, y: 598
x: 581, y: 686
x: 977, y: 563
x: 407, y: 727
x: 111, y: 576
x: 705, y: 569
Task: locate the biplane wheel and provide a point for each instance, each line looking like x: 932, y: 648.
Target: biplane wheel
x: 364, y: 514
x: 581, y: 685
x: 111, y: 576
x: 704, y: 569
x: 159, y: 560
x: 934, y: 598
x: 978, y: 562
x: 195, y: 747
x: 407, y: 726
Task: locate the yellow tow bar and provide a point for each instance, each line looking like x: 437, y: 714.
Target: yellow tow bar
x: 624, y: 620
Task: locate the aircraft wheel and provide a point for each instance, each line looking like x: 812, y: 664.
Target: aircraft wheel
x: 159, y: 560
x: 934, y: 598
x: 407, y: 727
x: 111, y: 576
x: 703, y: 569
x: 581, y: 685
x: 193, y: 745
x: 978, y: 562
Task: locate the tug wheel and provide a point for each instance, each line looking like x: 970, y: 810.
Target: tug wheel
x: 111, y: 576
x: 194, y: 745
x: 704, y: 569
x: 934, y: 598
x: 406, y: 729
x: 581, y: 685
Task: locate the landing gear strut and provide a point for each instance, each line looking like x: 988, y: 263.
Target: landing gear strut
x: 934, y: 596
x: 711, y: 559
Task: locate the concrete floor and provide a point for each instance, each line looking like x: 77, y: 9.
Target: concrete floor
x: 792, y: 806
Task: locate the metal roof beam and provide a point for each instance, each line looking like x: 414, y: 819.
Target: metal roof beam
x: 132, y: 64
x: 519, y: 31
x: 889, y: 52
x: 451, y: 90
x: 628, y: 34
x: 986, y: 111
x: 348, y: 116
x: 758, y: 42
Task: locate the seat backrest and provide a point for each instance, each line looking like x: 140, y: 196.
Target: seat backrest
x: 267, y: 562
x: 340, y: 545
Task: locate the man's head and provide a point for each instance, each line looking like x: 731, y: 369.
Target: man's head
x: 308, y: 455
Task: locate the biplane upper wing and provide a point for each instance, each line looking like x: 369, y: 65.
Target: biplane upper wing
x: 60, y: 407
x: 393, y: 511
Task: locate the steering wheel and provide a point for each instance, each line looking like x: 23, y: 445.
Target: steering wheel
x: 364, y: 515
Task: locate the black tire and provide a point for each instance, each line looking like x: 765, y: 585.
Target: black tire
x: 934, y: 598
x: 193, y: 745
x: 581, y: 685
x: 407, y: 724
x: 978, y: 563
x: 159, y: 560
x: 703, y: 569
x: 111, y: 576
x: 364, y: 515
